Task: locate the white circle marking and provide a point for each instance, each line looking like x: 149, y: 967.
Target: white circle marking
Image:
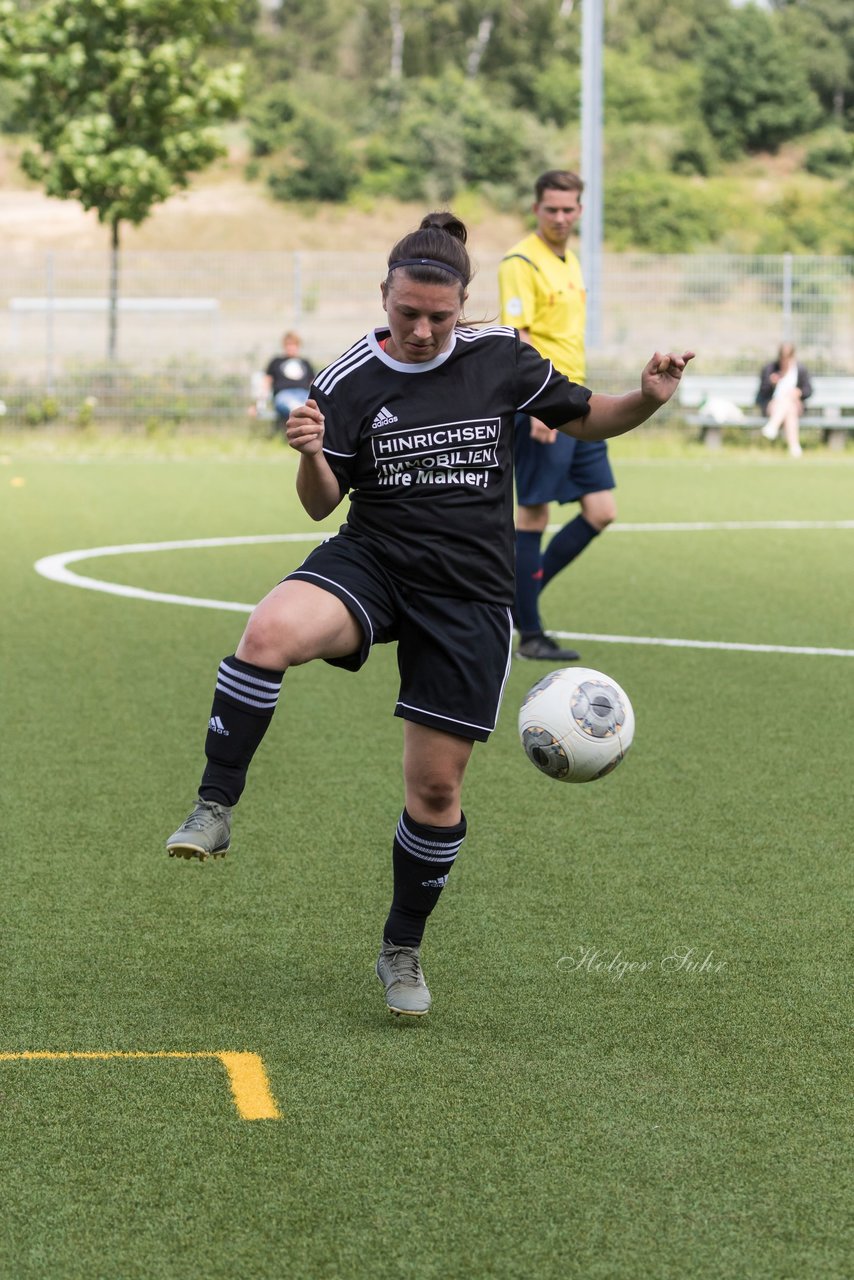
x: 55, y: 568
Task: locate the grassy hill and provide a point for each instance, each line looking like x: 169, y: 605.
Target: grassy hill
x: 222, y: 211
x: 770, y: 205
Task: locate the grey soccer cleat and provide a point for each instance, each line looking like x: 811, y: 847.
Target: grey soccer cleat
x: 399, y: 970
x: 205, y: 834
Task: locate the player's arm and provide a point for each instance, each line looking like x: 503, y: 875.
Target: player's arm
x: 614, y: 415
x: 317, y: 485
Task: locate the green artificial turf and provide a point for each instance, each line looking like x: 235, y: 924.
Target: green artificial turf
x: 559, y: 1114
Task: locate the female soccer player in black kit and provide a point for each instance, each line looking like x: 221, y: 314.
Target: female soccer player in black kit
x: 414, y: 422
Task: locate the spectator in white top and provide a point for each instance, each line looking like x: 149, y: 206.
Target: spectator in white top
x: 784, y: 388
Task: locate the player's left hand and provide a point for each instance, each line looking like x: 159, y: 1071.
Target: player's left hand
x: 661, y: 376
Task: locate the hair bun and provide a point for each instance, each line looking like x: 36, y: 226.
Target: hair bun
x: 435, y: 251
x: 444, y: 221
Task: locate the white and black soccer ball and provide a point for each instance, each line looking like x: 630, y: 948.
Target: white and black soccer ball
x: 576, y: 724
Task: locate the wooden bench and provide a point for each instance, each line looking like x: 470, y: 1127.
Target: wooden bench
x: 717, y: 401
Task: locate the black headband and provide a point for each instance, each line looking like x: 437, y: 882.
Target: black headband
x: 428, y: 262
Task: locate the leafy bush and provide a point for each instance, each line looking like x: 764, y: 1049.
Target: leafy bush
x: 493, y: 142
x: 695, y: 151
x: 843, y: 203
x: 638, y: 93
x: 449, y: 134
x: 798, y: 222
x: 85, y: 414
x: 556, y: 92
x: 12, y: 118
x: 38, y: 412
x: 632, y: 146
x: 655, y: 211
x: 179, y: 391
x: 831, y: 155
x: 320, y: 165
x: 268, y: 118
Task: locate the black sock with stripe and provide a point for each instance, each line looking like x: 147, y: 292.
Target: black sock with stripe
x: 243, y: 707
x: 422, y: 858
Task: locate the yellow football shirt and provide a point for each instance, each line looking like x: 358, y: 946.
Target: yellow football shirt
x: 545, y: 294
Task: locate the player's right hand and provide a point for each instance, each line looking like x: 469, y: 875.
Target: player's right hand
x: 541, y: 433
x: 304, y: 428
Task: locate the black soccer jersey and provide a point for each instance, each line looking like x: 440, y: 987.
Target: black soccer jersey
x: 426, y: 453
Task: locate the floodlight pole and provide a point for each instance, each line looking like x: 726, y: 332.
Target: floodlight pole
x: 592, y: 27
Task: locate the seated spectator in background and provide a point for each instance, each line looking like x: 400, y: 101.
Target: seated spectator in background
x: 784, y: 388
x: 289, y: 376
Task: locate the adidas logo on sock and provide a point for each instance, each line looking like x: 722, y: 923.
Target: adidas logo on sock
x: 435, y: 884
x: 384, y: 418
x: 216, y: 726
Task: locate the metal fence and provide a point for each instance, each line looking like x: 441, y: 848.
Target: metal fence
x: 192, y: 327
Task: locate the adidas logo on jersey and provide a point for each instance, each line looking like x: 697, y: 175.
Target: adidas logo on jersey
x: 384, y: 418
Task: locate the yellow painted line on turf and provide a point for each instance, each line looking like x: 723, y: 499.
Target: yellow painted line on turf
x: 250, y: 1086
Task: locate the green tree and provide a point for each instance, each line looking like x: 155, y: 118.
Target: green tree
x: 315, y: 37
x: 449, y: 134
x: 824, y: 33
x: 555, y: 91
x: 119, y: 101
x: 268, y: 117
x: 754, y: 93
x: 668, y: 31
x: 636, y: 92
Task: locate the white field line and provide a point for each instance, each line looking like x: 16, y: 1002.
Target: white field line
x: 705, y: 526
x: 55, y: 568
x: 663, y: 642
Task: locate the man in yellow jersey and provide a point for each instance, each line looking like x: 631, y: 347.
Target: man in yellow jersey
x: 542, y: 295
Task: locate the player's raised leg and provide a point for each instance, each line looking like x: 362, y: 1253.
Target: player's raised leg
x: 293, y: 624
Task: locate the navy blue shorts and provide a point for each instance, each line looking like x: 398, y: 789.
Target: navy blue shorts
x: 561, y: 472
x: 453, y: 655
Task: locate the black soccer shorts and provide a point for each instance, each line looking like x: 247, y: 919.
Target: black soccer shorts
x: 453, y: 655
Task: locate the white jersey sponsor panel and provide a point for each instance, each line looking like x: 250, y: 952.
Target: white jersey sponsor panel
x: 433, y: 443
